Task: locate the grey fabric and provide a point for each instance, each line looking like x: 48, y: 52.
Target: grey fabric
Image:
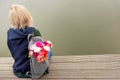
x: 32, y: 39
x: 37, y: 69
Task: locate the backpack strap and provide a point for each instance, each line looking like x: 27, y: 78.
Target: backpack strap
x: 30, y: 36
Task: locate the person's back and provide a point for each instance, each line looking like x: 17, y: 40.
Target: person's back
x: 18, y: 45
x: 21, y: 21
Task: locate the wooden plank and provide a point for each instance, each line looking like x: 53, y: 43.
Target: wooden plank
x: 94, y: 58
x: 77, y: 74
x: 80, y: 65
x: 89, y: 58
x: 56, y: 79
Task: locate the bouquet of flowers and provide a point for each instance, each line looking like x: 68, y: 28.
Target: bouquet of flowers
x: 40, y: 50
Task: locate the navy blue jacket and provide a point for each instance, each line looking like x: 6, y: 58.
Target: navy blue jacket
x: 18, y: 46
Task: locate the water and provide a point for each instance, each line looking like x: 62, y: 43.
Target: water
x: 74, y: 26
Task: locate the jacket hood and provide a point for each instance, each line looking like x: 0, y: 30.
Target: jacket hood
x: 19, y: 33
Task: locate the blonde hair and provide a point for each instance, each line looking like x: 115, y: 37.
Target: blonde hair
x: 19, y: 17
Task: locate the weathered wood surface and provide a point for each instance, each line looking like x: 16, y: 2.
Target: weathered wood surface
x: 87, y: 67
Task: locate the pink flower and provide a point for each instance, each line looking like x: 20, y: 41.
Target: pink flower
x: 48, y: 43
x: 45, y: 43
x: 39, y: 58
x: 35, y: 54
x: 39, y: 44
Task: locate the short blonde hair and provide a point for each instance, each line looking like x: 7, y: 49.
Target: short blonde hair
x: 19, y: 17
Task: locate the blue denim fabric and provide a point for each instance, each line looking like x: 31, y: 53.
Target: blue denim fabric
x: 49, y: 54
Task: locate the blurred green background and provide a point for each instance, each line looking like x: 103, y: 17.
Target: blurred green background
x: 74, y: 26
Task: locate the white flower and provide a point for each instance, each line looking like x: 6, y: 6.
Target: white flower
x: 32, y: 47
x: 47, y: 48
x: 50, y: 43
x: 37, y: 49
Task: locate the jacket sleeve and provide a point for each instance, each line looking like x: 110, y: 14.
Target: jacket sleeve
x: 37, y: 32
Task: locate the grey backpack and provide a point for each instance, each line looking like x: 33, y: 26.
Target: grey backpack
x: 37, y: 69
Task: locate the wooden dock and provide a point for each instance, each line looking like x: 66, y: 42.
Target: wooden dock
x: 82, y: 67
